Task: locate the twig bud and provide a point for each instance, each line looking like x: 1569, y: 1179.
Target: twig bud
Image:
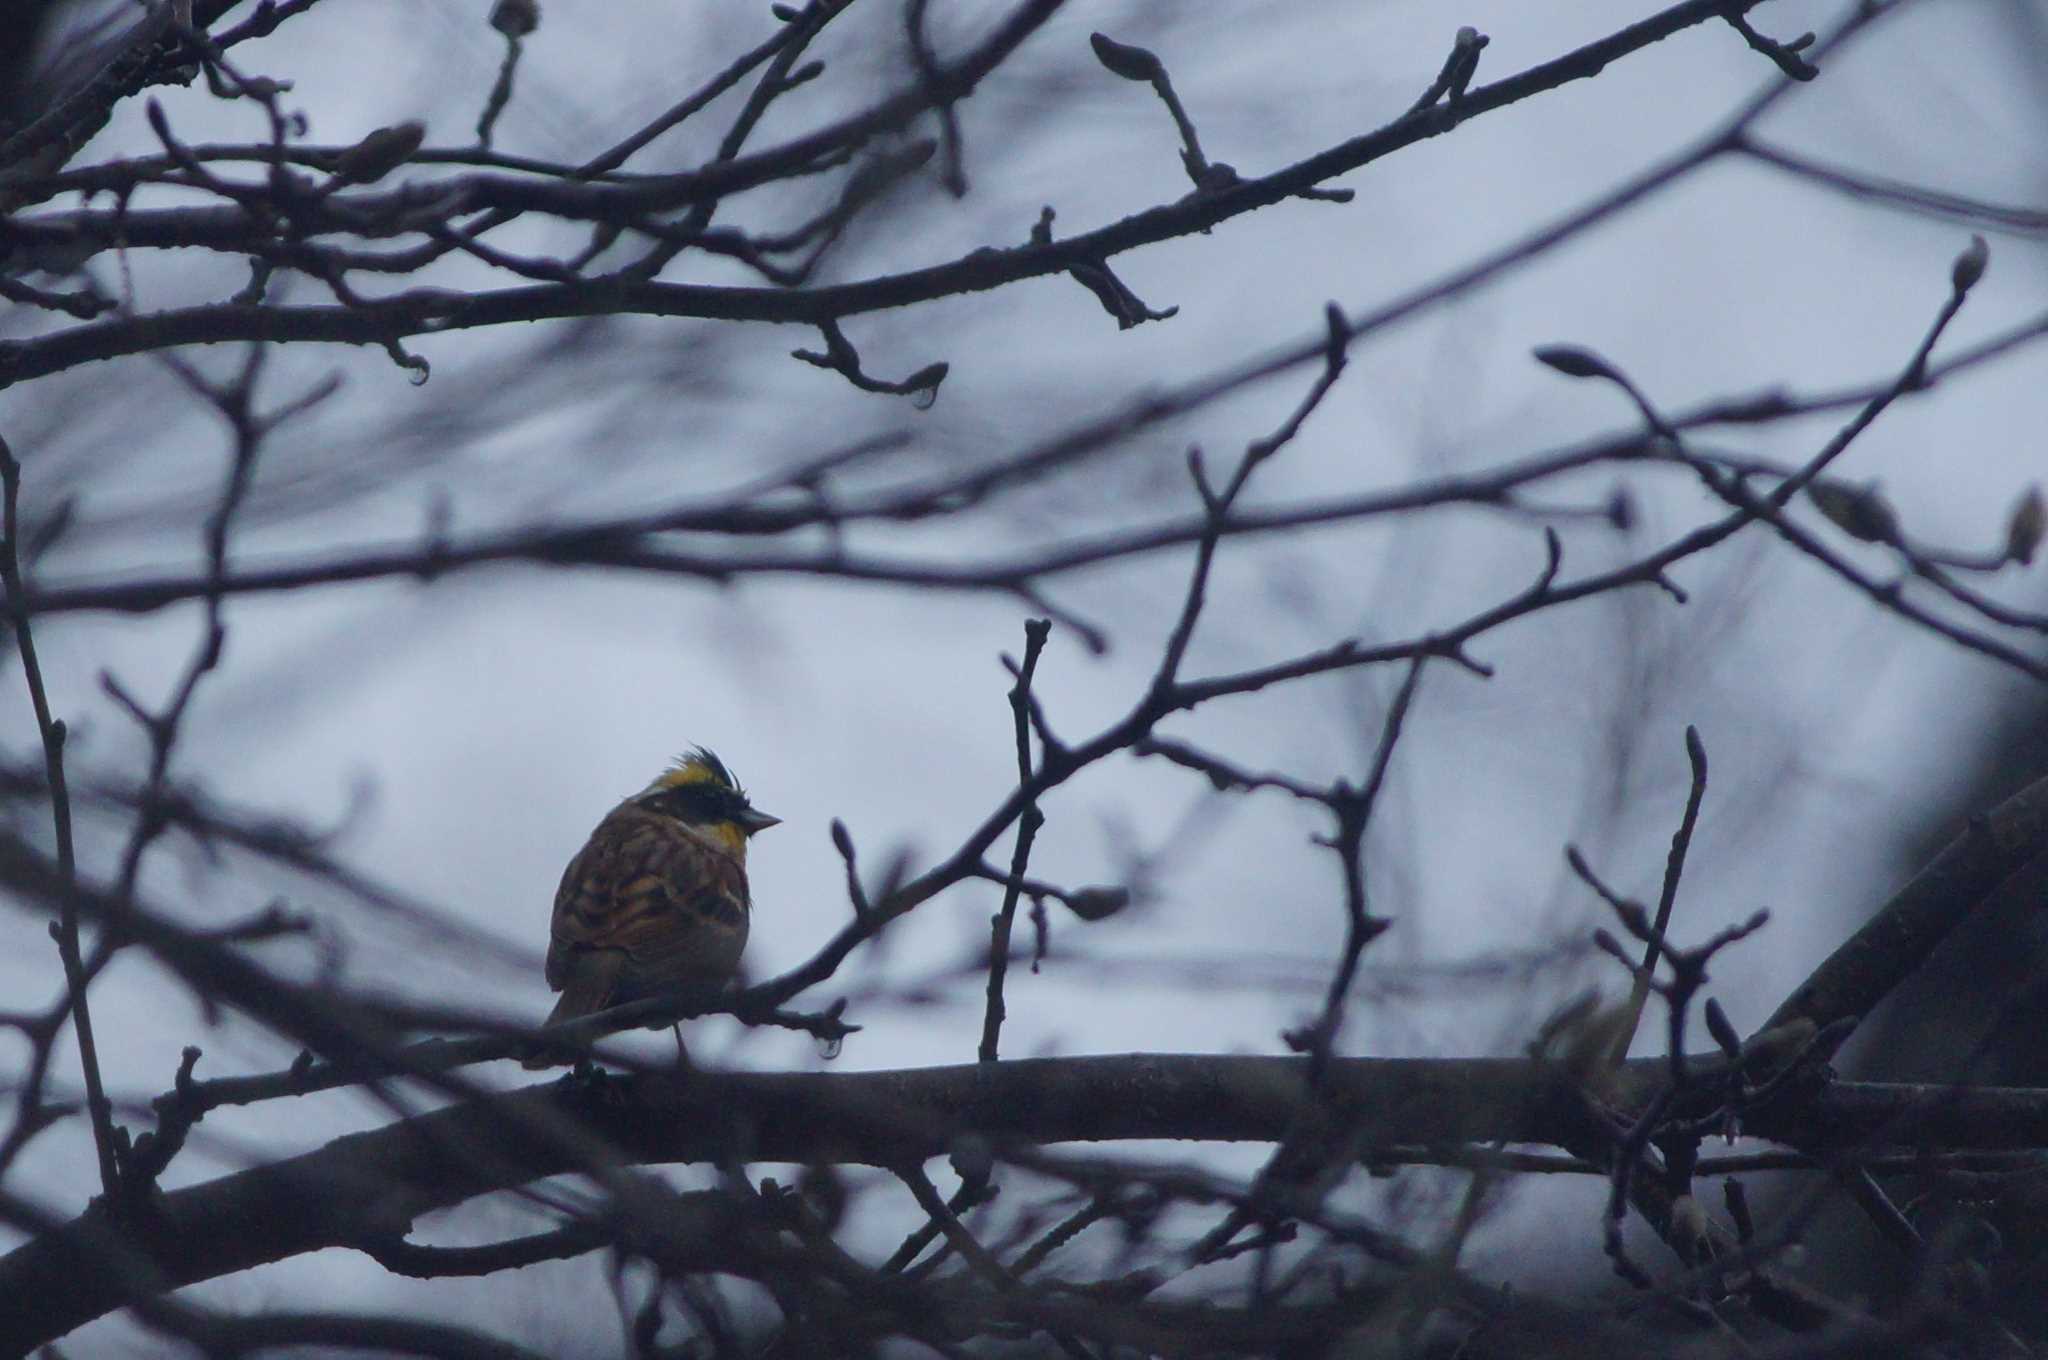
x: 973, y: 1159
x: 1970, y: 265
x: 1724, y: 1033
x: 515, y: 18
x: 2023, y: 530
x: 378, y: 154
x: 1574, y: 362
x: 1126, y: 60
x: 1858, y: 511
x: 1096, y: 904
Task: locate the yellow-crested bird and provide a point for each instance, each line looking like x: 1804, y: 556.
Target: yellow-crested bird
x: 656, y: 900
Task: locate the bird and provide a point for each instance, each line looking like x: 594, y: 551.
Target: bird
x: 656, y: 900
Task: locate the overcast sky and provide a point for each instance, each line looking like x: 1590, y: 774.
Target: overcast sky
x: 473, y: 731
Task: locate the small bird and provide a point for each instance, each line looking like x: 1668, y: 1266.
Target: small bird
x: 656, y: 900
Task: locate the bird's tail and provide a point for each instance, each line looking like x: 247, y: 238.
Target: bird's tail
x: 586, y: 990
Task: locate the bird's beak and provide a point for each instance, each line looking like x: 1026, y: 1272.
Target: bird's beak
x: 753, y: 820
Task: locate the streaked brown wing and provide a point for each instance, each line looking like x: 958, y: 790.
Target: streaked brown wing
x: 643, y: 885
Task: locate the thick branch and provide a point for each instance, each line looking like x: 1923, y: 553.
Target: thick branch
x: 366, y: 1187
x: 363, y: 1188
x: 1898, y: 939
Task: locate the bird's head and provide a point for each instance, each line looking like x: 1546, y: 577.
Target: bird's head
x: 698, y: 790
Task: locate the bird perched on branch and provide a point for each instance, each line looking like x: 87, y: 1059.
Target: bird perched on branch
x: 657, y: 898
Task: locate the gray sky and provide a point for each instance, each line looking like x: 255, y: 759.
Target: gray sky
x: 490, y: 721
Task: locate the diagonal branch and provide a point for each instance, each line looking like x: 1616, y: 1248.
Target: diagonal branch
x: 1899, y: 937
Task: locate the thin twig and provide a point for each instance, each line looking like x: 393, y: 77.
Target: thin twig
x: 65, y: 928
x: 1036, y: 631
x: 1674, y: 866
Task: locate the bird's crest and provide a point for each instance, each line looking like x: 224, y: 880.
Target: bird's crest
x: 696, y: 766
